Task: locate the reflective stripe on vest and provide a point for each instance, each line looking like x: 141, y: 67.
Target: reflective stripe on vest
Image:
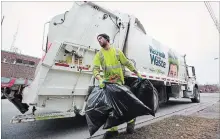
x: 102, y: 60
x: 126, y: 63
x: 117, y: 54
x: 108, y: 68
x: 96, y: 67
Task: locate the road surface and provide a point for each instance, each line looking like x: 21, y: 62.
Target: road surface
x: 76, y: 128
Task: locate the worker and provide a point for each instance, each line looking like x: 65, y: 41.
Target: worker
x: 111, y: 61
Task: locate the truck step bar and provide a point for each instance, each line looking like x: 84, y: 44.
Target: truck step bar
x: 30, y: 117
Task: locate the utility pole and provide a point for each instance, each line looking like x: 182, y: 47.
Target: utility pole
x: 13, y: 48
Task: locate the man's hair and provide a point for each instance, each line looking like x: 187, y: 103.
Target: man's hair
x: 104, y: 36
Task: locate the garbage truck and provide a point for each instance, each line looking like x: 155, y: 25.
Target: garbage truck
x: 64, y: 78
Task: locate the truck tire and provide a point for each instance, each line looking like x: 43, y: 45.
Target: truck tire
x: 196, y: 98
x: 156, y: 100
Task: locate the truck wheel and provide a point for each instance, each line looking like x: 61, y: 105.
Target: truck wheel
x: 156, y: 100
x: 196, y: 98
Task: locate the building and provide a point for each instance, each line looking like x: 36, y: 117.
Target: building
x: 209, y: 88
x: 18, y: 65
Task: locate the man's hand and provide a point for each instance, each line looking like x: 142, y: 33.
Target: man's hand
x: 139, y: 77
x: 101, y: 83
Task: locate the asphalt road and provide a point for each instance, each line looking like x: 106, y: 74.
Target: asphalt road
x: 76, y: 128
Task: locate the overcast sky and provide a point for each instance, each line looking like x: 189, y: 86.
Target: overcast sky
x: 184, y: 26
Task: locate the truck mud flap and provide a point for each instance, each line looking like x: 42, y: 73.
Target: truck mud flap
x: 22, y: 107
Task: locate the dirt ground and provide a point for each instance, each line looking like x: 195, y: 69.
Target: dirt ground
x: 200, y: 125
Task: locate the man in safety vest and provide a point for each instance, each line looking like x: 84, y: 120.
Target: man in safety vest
x: 111, y: 59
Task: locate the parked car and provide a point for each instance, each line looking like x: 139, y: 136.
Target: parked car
x: 13, y: 86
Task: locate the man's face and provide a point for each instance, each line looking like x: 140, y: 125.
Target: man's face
x: 173, y: 71
x: 102, y: 41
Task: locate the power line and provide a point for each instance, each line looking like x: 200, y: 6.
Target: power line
x: 214, y: 18
x: 213, y: 15
x: 209, y: 8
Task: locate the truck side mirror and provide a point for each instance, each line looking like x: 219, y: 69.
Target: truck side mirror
x: 193, y: 71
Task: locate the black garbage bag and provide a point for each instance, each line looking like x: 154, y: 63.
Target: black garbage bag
x: 97, y: 109
x: 147, y: 93
x: 112, y: 106
x: 126, y: 106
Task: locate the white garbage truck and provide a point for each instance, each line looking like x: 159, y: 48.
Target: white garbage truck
x: 64, y: 77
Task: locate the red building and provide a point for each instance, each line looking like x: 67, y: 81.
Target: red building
x: 17, y: 65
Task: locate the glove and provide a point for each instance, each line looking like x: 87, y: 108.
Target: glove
x: 101, y: 83
x: 139, y: 77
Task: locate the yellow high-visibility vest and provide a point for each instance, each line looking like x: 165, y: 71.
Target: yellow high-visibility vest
x: 111, y: 62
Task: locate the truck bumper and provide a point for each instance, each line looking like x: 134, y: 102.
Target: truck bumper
x: 44, y: 116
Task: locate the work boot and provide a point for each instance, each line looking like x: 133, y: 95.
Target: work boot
x: 110, y: 134
x: 130, y: 126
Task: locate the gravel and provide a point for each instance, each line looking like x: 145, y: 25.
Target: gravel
x: 200, y: 125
